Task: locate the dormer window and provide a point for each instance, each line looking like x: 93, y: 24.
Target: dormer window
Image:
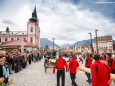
x: 18, y: 38
x: 31, y: 29
x: 12, y: 39
x: 6, y: 39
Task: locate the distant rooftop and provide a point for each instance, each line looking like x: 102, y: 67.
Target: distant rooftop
x: 103, y: 38
x: 13, y: 33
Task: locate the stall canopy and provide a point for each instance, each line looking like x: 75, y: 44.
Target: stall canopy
x: 18, y: 43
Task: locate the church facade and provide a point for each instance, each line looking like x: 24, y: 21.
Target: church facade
x: 32, y: 35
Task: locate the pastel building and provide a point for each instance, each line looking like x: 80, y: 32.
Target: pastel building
x: 83, y: 48
x: 31, y: 37
x: 105, y: 44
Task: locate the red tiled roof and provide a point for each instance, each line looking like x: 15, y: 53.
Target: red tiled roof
x: 17, y: 43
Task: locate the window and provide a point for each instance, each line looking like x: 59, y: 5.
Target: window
x: 0, y: 40
x: 17, y: 38
x: 31, y: 30
x: 6, y: 39
x: 12, y: 39
x: 24, y: 39
x: 31, y: 39
x: 109, y: 47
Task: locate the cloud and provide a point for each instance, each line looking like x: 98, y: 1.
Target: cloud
x: 105, y: 7
x: 71, y: 23
x: 9, y: 22
x: 67, y: 21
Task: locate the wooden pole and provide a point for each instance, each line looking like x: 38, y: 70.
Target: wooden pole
x: 84, y: 69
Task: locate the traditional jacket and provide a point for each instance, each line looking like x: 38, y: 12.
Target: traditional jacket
x: 88, y: 62
x: 73, y: 65
x: 100, y: 74
x: 60, y: 64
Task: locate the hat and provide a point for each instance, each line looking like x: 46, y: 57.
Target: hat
x: 2, y: 53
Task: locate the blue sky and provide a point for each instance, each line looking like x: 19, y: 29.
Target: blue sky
x: 67, y: 21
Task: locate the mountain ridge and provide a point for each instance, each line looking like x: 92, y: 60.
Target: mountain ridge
x: 45, y: 41
x: 80, y: 43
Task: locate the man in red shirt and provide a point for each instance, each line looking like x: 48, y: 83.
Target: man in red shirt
x: 111, y: 64
x: 88, y: 62
x: 61, y: 65
x: 103, y: 59
x: 68, y: 62
x: 73, y: 70
x: 99, y: 72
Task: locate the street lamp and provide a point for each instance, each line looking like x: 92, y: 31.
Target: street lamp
x: 96, y: 40
x: 91, y: 42
x: 53, y: 43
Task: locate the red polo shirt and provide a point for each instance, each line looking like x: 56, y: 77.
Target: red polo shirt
x: 101, y: 76
x: 73, y: 65
x: 88, y: 62
x: 60, y: 64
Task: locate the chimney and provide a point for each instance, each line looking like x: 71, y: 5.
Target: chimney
x: 7, y: 29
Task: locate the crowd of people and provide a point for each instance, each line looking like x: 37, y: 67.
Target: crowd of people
x: 14, y: 61
x: 101, y: 67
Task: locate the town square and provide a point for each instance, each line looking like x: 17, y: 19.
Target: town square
x: 57, y: 43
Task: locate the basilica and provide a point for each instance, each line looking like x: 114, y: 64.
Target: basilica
x: 29, y: 39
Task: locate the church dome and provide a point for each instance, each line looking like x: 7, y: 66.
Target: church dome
x: 33, y: 19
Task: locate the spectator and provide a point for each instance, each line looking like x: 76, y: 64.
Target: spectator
x: 103, y: 59
x: 5, y: 70
x: 1, y: 69
x: 88, y: 62
x: 111, y: 64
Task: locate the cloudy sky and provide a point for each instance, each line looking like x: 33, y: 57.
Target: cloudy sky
x: 67, y: 21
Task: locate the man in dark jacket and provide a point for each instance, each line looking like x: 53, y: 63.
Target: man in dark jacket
x: 16, y: 63
x: 73, y: 70
x: 1, y: 66
x: 61, y: 65
x: 1, y: 70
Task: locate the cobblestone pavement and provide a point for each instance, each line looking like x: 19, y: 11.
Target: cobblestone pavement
x: 34, y: 75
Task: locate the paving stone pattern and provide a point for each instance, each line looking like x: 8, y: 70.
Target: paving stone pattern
x: 34, y: 75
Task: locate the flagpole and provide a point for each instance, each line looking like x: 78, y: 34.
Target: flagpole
x: 22, y: 46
